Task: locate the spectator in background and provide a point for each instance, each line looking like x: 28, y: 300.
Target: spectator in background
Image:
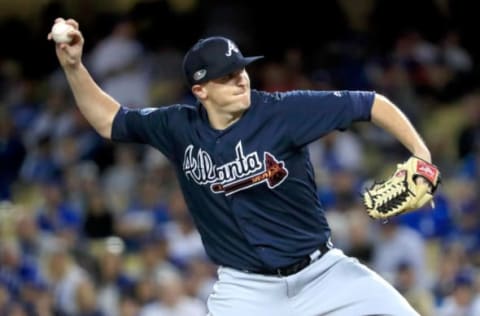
x: 79, y: 181
x: 417, y: 55
x: 172, y: 300
x: 419, y: 297
x: 337, y: 160
x: 73, y: 291
x: 200, y: 278
x: 432, y: 224
x: 145, y: 291
x: 120, y: 178
x: 113, y: 282
x: 4, y: 298
x: 396, y: 244
x: 184, y: 242
x: 154, y: 256
x: 36, y: 299
x: 54, y: 121
x: 38, y: 165
x: 360, y: 240
x: 56, y: 217
x: 468, y: 142
x: 453, y: 260
x: 167, y: 84
x: 465, y: 213
x: 469, y: 138
x: 12, y: 153
x: 456, y: 56
x: 16, y: 269
x: 274, y: 77
x: 117, y: 63
x: 468, y: 222
x: 128, y: 307
x: 146, y: 212
x: 391, y: 77
x: 16, y: 309
x: 78, y: 142
x: 99, y: 221
x: 338, y: 150
x: 464, y: 301
x: 30, y: 240
x: 20, y: 96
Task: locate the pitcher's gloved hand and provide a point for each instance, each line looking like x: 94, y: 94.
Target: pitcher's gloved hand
x: 411, y: 186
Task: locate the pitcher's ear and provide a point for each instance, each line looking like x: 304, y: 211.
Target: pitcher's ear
x: 199, y: 91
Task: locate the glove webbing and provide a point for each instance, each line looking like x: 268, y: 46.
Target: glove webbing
x: 397, y: 194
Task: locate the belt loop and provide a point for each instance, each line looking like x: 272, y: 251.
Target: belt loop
x: 329, y: 243
x: 315, y: 255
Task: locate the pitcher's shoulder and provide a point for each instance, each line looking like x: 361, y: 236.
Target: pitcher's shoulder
x: 179, y: 109
x: 265, y: 97
x: 277, y: 96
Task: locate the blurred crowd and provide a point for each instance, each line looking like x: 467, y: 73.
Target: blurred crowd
x: 91, y: 227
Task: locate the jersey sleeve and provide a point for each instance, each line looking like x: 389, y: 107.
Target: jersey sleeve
x: 146, y: 126
x: 312, y: 114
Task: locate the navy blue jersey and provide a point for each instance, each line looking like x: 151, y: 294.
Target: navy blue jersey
x: 250, y: 188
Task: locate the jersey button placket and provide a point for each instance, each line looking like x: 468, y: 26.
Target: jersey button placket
x: 217, y: 151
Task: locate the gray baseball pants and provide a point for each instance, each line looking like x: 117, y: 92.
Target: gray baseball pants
x: 334, y: 285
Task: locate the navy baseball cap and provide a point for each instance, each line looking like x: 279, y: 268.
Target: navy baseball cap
x: 211, y: 58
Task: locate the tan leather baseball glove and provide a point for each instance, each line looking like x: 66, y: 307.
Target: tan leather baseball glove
x: 403, y: 191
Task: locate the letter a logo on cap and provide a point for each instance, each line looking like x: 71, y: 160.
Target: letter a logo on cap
x: 231, y: 47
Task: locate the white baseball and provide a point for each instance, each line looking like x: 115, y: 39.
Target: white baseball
x: 60, y: 32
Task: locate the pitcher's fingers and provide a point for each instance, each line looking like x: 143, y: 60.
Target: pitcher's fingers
x: 76, y: 37
x: 58, y: 20
x: 422, y: 189
x: 75, y: 33
x: 73, y: 23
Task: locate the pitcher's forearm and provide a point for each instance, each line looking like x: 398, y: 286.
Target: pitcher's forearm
x: 98, y: 107
x: 386, y: 115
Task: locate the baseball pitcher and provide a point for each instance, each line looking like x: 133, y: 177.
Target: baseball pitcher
x: 242, y: 163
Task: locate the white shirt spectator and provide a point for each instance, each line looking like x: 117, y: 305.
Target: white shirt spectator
x: 450, y: 307
x: 172, y: 300
x: 396, y: 245
x: 185, y: 307
x: 117, y: 63
x: 65, y: 291
x: 183, y: 245
x: 345, y: 147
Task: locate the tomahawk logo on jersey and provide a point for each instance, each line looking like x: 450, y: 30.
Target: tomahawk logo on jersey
x: 235, y: 175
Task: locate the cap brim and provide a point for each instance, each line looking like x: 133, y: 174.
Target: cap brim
x: 251, y: 59
x: 245, y: 61
x: 231, y: 68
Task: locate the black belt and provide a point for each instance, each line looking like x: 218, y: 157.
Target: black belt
x: 299, y: 265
